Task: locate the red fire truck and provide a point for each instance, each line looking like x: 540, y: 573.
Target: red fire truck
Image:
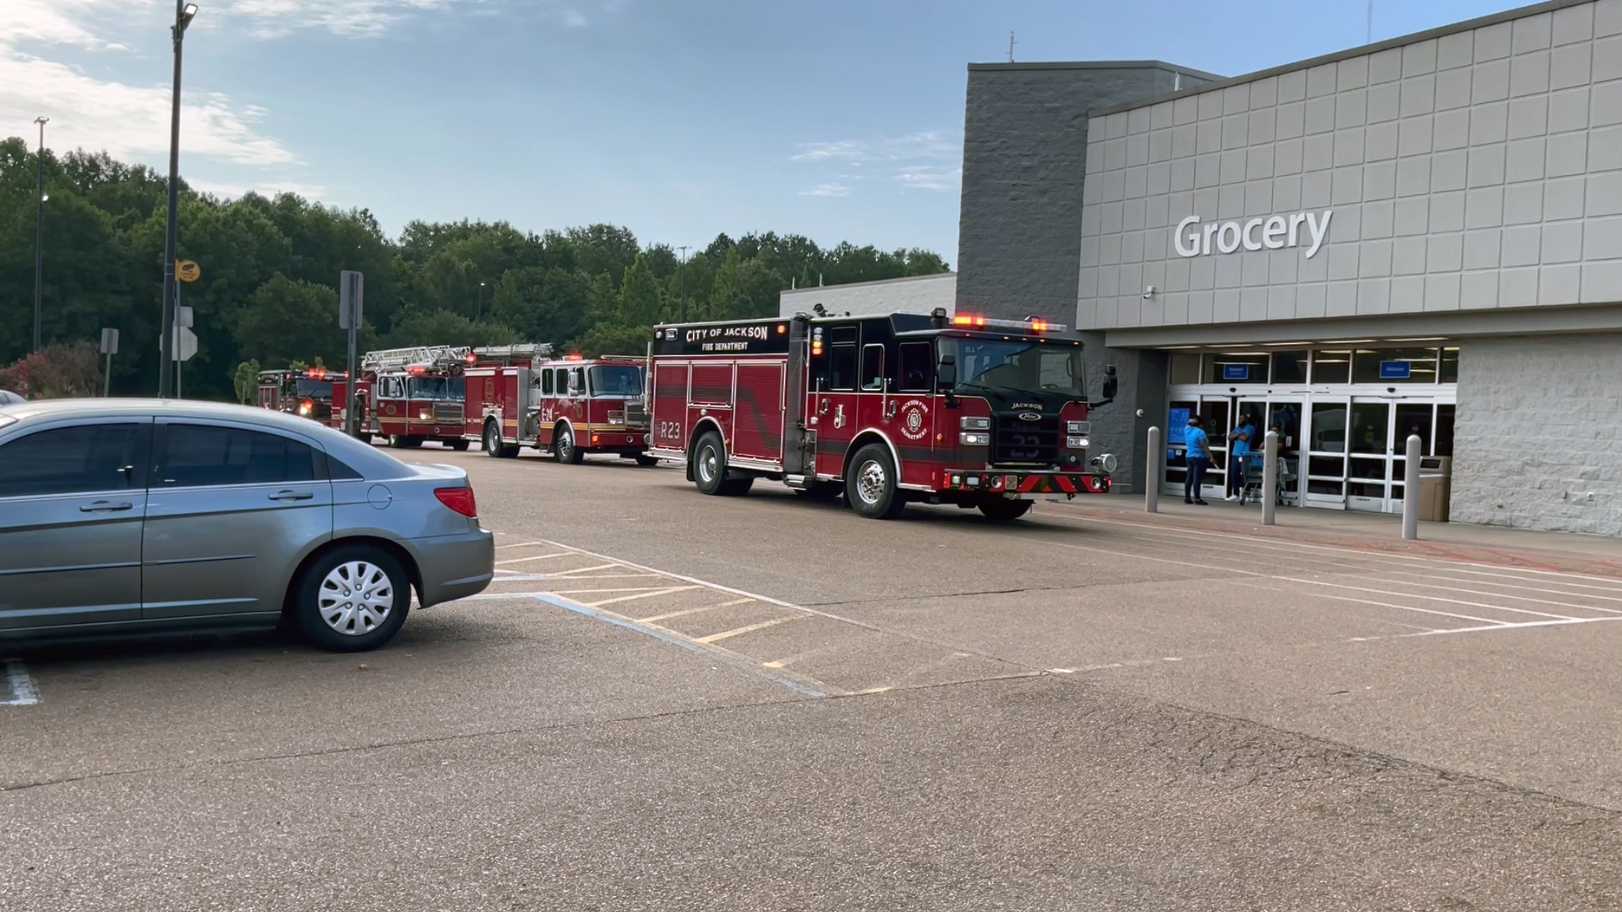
x: 417, y: 394
x: 591, y: 405
x: 501, y: 409
x: 969, y: 411
x: 307, y: 392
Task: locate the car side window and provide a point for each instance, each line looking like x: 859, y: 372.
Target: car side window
x: 872, y: 368
x: 200, y: 454
x: 546, y: 383
x: 81, y: 459
x: 916, y: 366
x: 338, y: 470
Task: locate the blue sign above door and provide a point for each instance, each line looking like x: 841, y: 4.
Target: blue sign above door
x: 1236, y: 372
x: 1396, y: 370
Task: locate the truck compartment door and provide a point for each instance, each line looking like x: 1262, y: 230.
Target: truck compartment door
x: 669, y: 406
x: 758, y: 415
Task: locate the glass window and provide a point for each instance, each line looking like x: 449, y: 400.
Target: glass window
x: 1327, y: 466
x: 1185, y: 367
x: 1450, y: 364
x: 1369, y: 432
x: 1290, y: 367
x: 616, y: 380
x: 338, y: 470
x: 1017, y: 366
x: 91, y: 457
x: 1333, y: 366
x: 917, y: 366
x: 1413, y: 419
x: 1394, y: 365
x: 1177, y: 422
x: 842, y: 367
x: 1236, y: 367
x: 1365, y: 468
x: 577, y: 381
x: 197, y: 454
x: 1328, y: 427
x: 546, y: 382
x: 1444, y: 430
x: 310, y: 388
x: 872, y: 368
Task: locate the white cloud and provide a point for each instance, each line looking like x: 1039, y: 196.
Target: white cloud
x: 925, y: 177
x: 58, y: 22
x: 832, y: 189
x: 841, y: 150
x: 348, y: 18
x: 573, y: 18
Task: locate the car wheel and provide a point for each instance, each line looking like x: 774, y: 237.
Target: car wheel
x: 871, y: 484
x: 1005, y: 510
x: 353, y: 598
x: 564, y: 447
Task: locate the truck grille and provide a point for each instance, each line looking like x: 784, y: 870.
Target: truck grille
x: 1035, y: 442
x: 447, y: 412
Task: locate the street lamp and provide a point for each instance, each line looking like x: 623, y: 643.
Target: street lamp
x: 39, y: 227
x: 481, y: 301
x: 184, y: 12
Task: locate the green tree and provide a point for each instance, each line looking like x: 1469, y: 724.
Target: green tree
x: 444, y: 327
x: 287, y: 319
x: 245, y: 379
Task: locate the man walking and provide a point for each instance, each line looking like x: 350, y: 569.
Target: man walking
x: 1239, y: 446
x: 1199, y: 458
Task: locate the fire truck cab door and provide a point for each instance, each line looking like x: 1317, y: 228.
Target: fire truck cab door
x: 834, y: 410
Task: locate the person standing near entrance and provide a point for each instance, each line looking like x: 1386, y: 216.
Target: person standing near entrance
x: 1239, y: 446
x: 1199, y: 458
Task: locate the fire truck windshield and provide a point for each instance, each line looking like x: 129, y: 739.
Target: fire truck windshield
x: 615, y: 381
x: 1017, y: 366
x: 314, y: 389
x: 437, y: 388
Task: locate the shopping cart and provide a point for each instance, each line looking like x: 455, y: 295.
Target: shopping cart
x: 1254, y: 478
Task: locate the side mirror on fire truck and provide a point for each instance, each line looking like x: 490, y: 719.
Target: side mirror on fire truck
x: 946, y: 372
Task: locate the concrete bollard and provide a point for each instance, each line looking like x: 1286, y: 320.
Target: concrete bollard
x: 1410, y: 490
x: 1152, y: 472
x: 1270, y: 479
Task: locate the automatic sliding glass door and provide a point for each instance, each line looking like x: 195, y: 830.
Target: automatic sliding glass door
x: 1326, y: 452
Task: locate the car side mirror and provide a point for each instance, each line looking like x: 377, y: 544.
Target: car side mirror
x: 1112, y: 383
x: 946, y: 372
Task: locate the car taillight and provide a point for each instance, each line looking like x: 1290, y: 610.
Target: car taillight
x: 459, y: 499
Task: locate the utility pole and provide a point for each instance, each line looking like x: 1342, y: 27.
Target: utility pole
x: 481, y: 301
x: 681, y: 281
x: 166, y: 368
x: 39, y: 231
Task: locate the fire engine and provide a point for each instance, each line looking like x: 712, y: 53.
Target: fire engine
x: 966, y: 410
x: 592, y: 405
x: 300, y: 392
x: 501, y: 411
x: 417, y: 394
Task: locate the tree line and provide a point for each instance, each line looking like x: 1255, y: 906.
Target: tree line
x: 270, y: 269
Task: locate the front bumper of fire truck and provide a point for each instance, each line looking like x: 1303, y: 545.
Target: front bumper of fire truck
x: 1021, y: 482
x: 618, y: 438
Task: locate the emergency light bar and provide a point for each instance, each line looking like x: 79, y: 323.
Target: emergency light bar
x: 977, y: 322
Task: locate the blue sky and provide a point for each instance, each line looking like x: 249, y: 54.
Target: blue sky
x: 839, y: 119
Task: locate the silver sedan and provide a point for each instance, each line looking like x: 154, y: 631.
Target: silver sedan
x: 122, y: 515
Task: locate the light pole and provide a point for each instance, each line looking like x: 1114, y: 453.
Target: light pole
x: 480, y: 314
x: 183, y: 15
x: 39, y: 229
x: 681, y: 281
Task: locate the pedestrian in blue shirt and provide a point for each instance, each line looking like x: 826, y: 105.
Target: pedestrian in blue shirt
x: 1239, y: 449
x: 1199, y: 459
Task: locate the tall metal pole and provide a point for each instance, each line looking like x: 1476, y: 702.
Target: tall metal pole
x: 681, y: 281
x: 39, y: 231
x: 1410, y: 488
x: 1152, y: 472
x: 1270, y: 479
x: 166, y: 367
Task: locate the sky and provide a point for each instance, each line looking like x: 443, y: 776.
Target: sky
x: 837, y: 119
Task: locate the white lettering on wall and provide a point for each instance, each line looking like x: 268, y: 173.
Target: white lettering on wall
x: 1274, y: 232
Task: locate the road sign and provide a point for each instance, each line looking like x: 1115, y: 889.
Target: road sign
x: 184, y: 316
x: 351, y: 291
x: 109, y: 341
x: 185, y: 344
x: 188, y: 271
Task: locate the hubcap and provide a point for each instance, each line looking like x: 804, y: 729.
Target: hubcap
x: 355, y: 598
x: 870, y: 482
x: 565, y: 444
x: 708, y: 465
x: 490, y: 440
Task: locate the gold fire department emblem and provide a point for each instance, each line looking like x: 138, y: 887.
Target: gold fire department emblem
x: 915, y: 419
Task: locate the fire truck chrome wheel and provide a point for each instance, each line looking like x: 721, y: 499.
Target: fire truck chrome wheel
x: 870, y: 484
x: 352, y: 598
x: 492, y: 443
x: 564, y: 449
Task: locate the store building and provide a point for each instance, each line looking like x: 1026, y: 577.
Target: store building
x: 915, y: 294
x: 1419, y: 236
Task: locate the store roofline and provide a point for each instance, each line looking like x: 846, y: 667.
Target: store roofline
x: 1452, y: 324
x: 919, y: 278
x: 1520, y: 12
x: 1094, y: 65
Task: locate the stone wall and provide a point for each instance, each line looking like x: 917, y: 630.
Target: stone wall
x: 1537, y: 442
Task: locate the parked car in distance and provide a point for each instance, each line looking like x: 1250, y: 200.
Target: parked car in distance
x: 122, y: 515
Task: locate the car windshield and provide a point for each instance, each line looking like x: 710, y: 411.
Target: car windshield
x: 436, y: 387
x: 1018, y: 366
x: 314, y: 389
x: 616, y: 381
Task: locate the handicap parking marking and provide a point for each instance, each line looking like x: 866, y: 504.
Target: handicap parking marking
x: 20, y: 689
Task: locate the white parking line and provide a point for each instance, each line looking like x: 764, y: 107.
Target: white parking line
x: 686, y: 611
x: 751, y: 628
x: 564, y: 573
x: 21, y: 686
x: 520, y: 545
x: 536, y: 557
x: 632, y: 598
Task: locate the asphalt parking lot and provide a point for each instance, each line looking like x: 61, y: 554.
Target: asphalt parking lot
x: 668, y: 701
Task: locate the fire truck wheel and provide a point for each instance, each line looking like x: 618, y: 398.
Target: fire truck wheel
x: 870, y: 484
x: 710, y: 464
x: 564, y: 449
x: 1005, y: 510
x: 353, y: 598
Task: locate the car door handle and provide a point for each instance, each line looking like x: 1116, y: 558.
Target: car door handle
x: 106, y: 506
x: 293, y: 495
